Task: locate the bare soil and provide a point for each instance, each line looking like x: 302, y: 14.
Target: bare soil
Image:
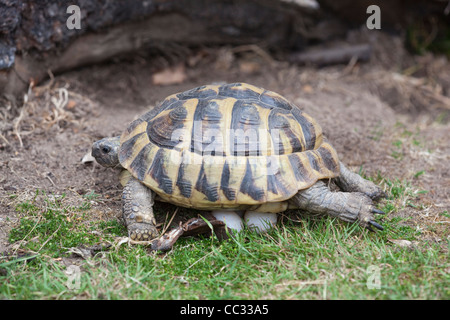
x: 388, y: 116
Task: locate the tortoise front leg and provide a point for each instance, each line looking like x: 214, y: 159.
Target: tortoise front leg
x: 137, y: 202
x: 352, y: 182
x: 347, y: 206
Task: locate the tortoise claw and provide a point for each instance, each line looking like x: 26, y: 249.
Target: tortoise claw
x: 377, y: 211
x: 376, y: 225
x: 379, y: 195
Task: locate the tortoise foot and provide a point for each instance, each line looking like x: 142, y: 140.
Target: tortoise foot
x: 142, y: 232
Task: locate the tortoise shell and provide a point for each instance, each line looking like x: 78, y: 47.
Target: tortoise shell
x: 224, y: 146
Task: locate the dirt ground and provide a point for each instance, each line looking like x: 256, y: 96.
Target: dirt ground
x: 388, y: 116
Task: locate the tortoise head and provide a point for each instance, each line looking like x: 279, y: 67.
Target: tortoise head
x: 106, y: 151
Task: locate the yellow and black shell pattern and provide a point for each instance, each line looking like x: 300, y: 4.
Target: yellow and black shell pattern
x: 225, y: 146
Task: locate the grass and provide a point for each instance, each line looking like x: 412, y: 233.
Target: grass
x: 54, y: 226
x: 308, y: 258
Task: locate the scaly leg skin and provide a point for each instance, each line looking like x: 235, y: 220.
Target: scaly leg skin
x: 137, y: 202
x: 352, y: 182
x: 347, y: 206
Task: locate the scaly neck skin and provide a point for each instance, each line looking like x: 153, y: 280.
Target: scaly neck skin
x: 106, y: 151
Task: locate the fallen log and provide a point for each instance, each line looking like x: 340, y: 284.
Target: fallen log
x: 342, y: 53
x: 36, y: 37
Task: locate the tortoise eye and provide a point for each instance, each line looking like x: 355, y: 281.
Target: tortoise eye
x: 106, y: 149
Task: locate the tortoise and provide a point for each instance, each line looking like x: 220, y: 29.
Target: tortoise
x: 232, y: 148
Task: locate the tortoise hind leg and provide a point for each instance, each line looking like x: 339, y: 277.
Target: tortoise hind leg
x: 352, y: 182
x: 347, y: 206
x: 137, y: 204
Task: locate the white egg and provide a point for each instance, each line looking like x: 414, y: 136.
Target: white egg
x: 260, y: 222
x: 230, y: 218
